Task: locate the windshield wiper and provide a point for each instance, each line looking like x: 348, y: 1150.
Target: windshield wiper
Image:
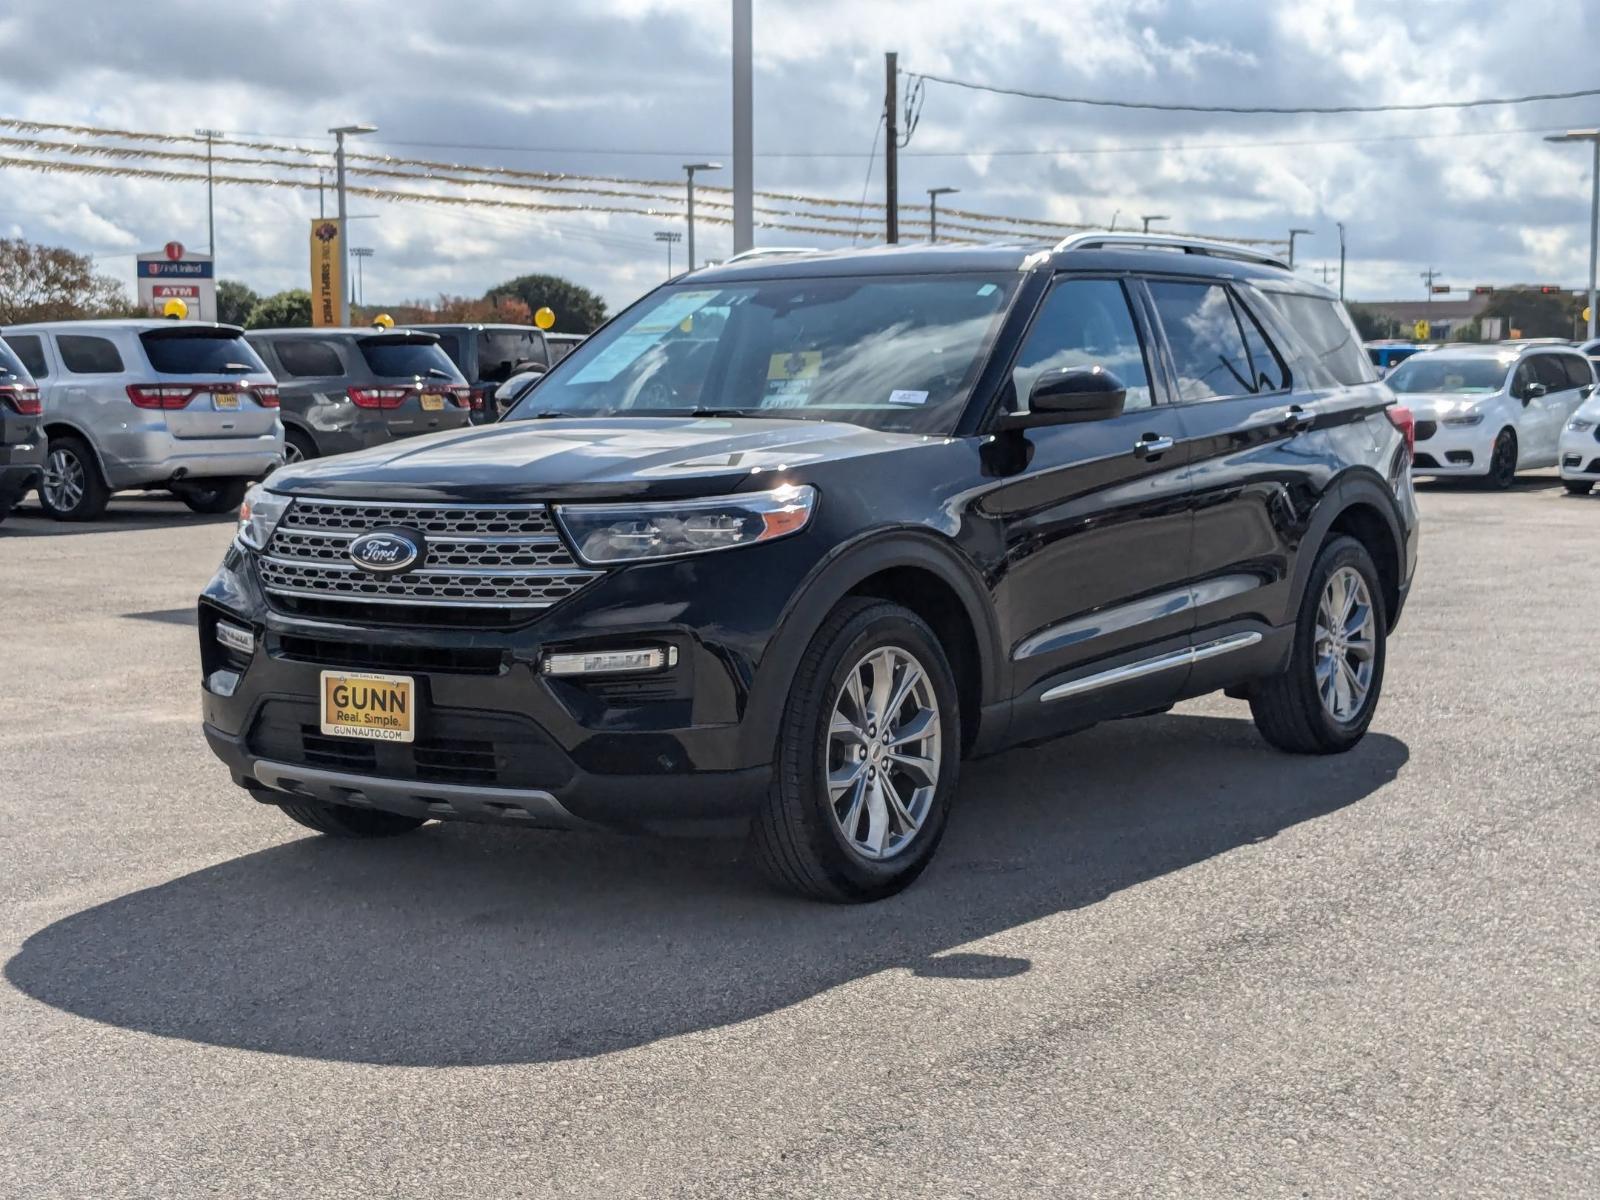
x: 437, y: 373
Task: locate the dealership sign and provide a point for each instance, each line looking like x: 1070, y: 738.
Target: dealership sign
x: 327, y: 271
x: 172, y: 273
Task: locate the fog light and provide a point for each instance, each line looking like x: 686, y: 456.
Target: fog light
x: 222, y: 683
x: 235, y: 638
x: 611, y: 662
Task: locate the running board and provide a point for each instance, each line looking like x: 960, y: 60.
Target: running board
x: 1150, y: 666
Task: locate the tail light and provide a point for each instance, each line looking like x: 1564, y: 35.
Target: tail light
x: 266, y: 395
x: 476, y: 398
x: 21, y: 399
x: 461, y: 395
x: 162, y: 396
x: 1403, y: 420
x: 390, y: 397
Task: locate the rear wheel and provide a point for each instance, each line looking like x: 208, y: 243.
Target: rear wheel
x: 1323, y: 700
x: 297, y: 447
x: 866, y: 759
x: 341, y: 821
x: 1503, y: 461
x: 224, y: 495
x: 1578, y: 487
x: 72, y: 489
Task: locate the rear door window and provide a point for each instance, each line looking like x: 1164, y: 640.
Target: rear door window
x: 501, y: 351
x: 29, y: 347
x: 1547, y: 369
x: 451, y: 345
x: 402, y: 359
x: 200, y: 354
x: 1266, y: 365
x: 1203, y: 334
x: 1579, y: 372
x: 308, y: 357
x: 82, y: 355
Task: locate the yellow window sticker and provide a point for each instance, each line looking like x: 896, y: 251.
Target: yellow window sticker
x: 790, y: 376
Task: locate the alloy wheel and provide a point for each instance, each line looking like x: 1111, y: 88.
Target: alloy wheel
x: 1346, y: 640
x: 291, y: 453
x: 1503, y: 460
x: 883, y: 753
x: 63, y: 480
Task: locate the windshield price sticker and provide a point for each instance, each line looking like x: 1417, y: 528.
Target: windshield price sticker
x: 790, y: 376
x: 904, y: 396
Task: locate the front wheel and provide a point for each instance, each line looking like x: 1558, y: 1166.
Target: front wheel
x: 1503, y: 461
x: 1323, y: 700
x: 866, y: 759
x: 220, y: 497
x: 1578, y: 487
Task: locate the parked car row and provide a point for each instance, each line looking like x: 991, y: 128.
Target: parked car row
x: 91, y: 408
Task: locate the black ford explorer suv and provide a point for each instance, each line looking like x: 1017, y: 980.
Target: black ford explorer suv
x: 788, y: 539
x: 22, y: 437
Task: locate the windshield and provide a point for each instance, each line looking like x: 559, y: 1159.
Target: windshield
x: 200, y: 354
x: 890, y: 352
x: 1440, y: 373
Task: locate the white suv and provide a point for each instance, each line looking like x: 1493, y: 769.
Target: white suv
x: 1491, y: 411
x: 184, y: 405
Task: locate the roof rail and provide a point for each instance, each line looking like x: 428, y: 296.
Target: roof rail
x: 764, y: 251
x: 1167, y: 241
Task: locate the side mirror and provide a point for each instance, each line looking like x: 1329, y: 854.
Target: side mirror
x: 1533, y: 390
x: 1071, y: 396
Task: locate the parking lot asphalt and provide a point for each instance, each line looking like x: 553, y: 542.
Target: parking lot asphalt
x: 1155, y: 958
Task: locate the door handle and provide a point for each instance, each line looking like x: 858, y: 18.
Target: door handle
x: 1296, y: 419
x: 1152, y: 446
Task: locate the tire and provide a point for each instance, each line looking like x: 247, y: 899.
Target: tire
x: 1289, y: 708
x: 72, y: 488
x: 1503, y: 461
x: 799, y: 836
x: 223, y: 496
x: 1578, y: 487
x: 342, y: 821
x: 297, y: 446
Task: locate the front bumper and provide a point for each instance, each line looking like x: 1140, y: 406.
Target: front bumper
x: 1453, y: 450
x: 1579, y: 455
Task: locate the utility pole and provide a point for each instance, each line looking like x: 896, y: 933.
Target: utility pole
x: 211, y: 222
x: 1592, y: 136
x: 1326, y: 271
x: 320, y: 212
x: 1341, y: 261
x: 344, y: 235
x: 891, y: 148
x: 933, y: 209
x: 669, y: 236
x: 1428, y: 277
x: 743, y: 139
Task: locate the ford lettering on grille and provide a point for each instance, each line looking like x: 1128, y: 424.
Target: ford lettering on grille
x: 502, y: 556
x: 386, y: 551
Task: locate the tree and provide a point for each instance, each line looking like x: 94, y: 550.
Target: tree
x: 51, y: 283
x: 235, y: 301
x: 1371, y: 324
x: 283, y: 310
x: 1534, y: 313
x: 577, y: 309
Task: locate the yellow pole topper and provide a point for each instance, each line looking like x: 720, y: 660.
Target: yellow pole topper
x: 544, y: 318
x: 175, y: 309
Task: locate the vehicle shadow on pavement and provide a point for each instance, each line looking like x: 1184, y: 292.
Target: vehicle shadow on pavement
x: 462, y: 945
x: 125, y: 513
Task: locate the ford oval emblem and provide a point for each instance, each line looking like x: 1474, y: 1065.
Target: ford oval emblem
x: 387, y: 551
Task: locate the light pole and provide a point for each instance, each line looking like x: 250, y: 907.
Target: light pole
x: 1153, y: 217
x: 362, y: 253
x: 743, y: 131
x: 339, y: 132
x: 1592, y: 136
x: 211, y: 223
x: 1341, y: 260
x: 669, y: 236
x: 1114, y: 217
x: 933, y: 209
x: 1294, y: 233
x: 689, y: 170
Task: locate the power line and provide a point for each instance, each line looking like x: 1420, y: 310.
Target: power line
x: 1159, y: 106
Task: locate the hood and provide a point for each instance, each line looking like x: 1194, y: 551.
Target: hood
x: 1589, y: 410
x: 588, y: 458
x: 1435, y: 406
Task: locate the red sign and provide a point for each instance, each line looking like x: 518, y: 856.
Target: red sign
x: 174, y: 250
x: 183, y: 291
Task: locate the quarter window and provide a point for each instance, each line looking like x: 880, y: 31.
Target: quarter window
x: 1084, y: 323
x: 30, y: 349
x: 1327, y: 333
x: 1266, y: 365
x: 88, y: 355
x: 308, y: 358
x: 1207, y: 344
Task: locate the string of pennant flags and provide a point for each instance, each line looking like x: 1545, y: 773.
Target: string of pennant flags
x: 471, y: 185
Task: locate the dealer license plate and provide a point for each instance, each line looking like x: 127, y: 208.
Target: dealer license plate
x: 363, y: 705
x: 432, y: 401
x: 224, y: 400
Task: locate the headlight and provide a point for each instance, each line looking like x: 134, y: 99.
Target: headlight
x: 1471, y: 418
x: 258, y: 516
x: 1578, y: 426
x: 619, y: 533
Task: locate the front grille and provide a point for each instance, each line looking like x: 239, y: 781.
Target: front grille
x: 1426, y: 429
x: 499, y: 557
x: 483, y: 749
x: 373, y: 656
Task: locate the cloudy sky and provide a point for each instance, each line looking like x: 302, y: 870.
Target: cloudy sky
x: 635, y: 88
